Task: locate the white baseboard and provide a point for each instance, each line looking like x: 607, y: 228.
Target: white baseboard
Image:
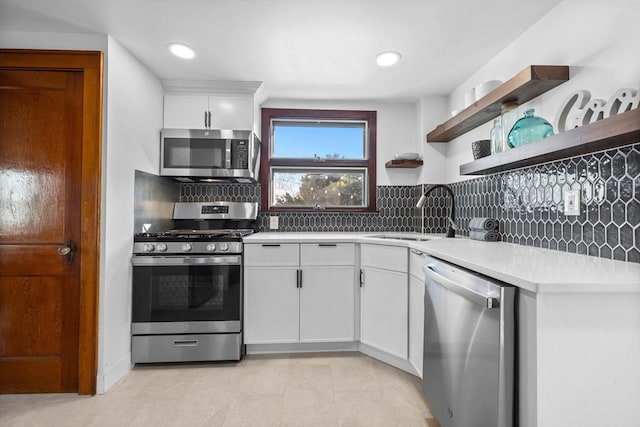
x: 114, y: 373
x: 301, y: 347
x: 387, y: 358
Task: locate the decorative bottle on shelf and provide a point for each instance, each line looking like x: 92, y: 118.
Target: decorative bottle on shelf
x: 508, y: 118
x: 529, y: 129
x: 496, y: 136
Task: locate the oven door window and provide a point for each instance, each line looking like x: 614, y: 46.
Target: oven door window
x: 186, y: 293
x: 195, y: 153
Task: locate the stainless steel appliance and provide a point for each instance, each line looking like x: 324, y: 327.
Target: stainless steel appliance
x: 206, y: 154
x: 469, y: 344
x: 187, y: 285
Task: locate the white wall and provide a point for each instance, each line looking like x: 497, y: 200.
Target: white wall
x: 134, y: 114
x: 66, y: 41
x: 431, y: 113
x: 398, y: 132
x: 597, y: 39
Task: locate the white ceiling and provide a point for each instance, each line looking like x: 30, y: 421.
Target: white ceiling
x: 302, y: 49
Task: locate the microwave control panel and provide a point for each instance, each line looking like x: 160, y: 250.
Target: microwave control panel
x: 239, y: 154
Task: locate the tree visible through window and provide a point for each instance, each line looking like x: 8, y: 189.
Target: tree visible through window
x: 318, y: 159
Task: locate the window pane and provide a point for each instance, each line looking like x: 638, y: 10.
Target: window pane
x: 318, y: 187
x: 326, y: 140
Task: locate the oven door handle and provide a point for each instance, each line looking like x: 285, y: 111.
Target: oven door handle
x: 206, y: 260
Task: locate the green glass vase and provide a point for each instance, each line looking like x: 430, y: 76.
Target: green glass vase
x: 529, y: 129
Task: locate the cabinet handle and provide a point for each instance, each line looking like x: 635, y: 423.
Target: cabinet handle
x: 187, y: 343
x: 205, y: 120
x: 298, y: 278
x: 327, y: 245
x: 361, y: 277
x: 209, y: 119
x: 413, y: 251
x: 270, y: 245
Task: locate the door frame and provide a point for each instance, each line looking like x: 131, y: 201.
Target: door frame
x: 90, y: 64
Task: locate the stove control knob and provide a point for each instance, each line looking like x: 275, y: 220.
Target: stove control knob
x: 211, y: 247
x: 148, y: 247
x: 186, y: 247
x: 162, y: 247
x: 224, y: 247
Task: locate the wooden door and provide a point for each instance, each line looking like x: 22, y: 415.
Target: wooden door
x: 44, y: 124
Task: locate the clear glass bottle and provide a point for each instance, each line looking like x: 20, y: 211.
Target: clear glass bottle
x: 508, y: 117
x: 496, y: 136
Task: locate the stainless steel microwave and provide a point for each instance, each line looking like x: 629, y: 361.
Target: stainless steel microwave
x: 202, y: 154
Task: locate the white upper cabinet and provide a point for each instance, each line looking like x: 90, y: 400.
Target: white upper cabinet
x: 201, y: 111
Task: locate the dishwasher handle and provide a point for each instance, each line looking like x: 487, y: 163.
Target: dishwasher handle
x: 476, y: 297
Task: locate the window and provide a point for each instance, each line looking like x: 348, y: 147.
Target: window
x: 318, y: 160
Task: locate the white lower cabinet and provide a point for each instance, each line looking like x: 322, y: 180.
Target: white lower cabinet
x: 384, y: 299
x: 416, y: 311
x: 327, y: 304
x: 384, y: 311
x: 271, y: 305
x: 299, y: 293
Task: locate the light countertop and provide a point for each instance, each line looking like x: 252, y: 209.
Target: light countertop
x: 534, y: 269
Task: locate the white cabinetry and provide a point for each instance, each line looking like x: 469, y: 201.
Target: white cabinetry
x: 416, y: 310
x: 384, y: 299
x: 195, y: 111
x: 299, y: 293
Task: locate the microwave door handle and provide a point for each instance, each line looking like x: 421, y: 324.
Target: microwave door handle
x: 227, y: 157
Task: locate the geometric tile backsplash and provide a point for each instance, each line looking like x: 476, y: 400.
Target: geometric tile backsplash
x: 527, y: 202
x: 530, y: 207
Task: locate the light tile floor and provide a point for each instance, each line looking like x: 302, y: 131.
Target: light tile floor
x: 321, y: 389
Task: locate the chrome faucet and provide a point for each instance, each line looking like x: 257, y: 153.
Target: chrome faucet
x: 451, y: 230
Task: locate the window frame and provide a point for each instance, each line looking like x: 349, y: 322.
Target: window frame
x: 266, y: 162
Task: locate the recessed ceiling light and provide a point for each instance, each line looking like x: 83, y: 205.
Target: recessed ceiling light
x: 387, y: 59
x: 181, y: 50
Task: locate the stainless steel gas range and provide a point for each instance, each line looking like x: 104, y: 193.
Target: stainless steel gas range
x: 187, y: 285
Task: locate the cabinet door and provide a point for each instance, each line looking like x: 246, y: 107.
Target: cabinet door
x: 416, y: 322
x: 327, y: 304
x: 271, y: 305
x: 185, y: 111
x: 231, y: 112
x: 384, y: 311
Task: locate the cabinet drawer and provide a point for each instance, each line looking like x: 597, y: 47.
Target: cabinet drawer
x: 385, y: 257
x: 416, y: 261
x: 327, y: 254
x: 181, y: 348
x: 271, y: 254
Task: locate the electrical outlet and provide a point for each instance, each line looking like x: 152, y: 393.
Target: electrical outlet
x: 571, y: 202
x: 273, y: 222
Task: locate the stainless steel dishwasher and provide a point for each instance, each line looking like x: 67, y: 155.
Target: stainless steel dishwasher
x: 469, y: 347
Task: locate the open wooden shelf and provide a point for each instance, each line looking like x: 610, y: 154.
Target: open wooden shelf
x: 615, y: 131
x: 524, y: 86
x: 403, y: 164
